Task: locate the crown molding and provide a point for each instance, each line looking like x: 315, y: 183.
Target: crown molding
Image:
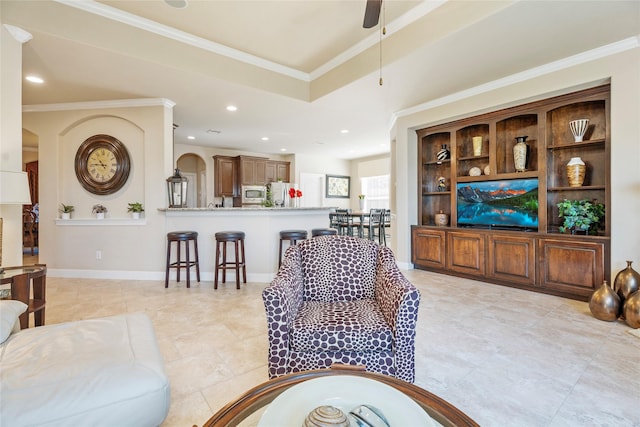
x: 92, y: 105
x: 181, y: 36
x: 551, y: 67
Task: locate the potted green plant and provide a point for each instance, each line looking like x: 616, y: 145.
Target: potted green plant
x: 581, y: 216
x: 136, y: 209
x: 65, y: 211
x: 99, y: 210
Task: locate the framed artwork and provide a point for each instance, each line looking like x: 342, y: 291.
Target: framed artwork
x: 338, y: 186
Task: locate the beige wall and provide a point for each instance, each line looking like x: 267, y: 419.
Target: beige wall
x: 621, y: 69
x: 10, y: 140
x: 69, y: 248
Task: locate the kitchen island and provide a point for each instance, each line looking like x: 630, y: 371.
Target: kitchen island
x: 261, y: 226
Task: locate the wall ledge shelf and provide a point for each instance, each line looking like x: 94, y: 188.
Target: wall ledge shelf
x: 83, y: 222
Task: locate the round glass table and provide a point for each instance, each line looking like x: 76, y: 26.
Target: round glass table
x: 259, y: 397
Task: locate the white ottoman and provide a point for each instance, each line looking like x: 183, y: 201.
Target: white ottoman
x: 98, y: 372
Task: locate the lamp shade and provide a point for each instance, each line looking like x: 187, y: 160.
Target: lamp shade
x: 14, y: 188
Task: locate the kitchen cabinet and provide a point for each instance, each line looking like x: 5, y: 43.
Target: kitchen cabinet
x: 277, y: 171
x: 225, y: 173
x: 252, y: 170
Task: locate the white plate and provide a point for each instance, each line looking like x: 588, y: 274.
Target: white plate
x: 345, y: 392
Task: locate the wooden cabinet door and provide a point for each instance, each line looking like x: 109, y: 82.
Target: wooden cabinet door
x: 512, y: 258
x: 260, y: 172
x: 428, y: 247
x: 247, y: 171
x: 270, y: 171
x: 225, y: 176
x: 574, y: 267
x: 282, y: 172
x: 466, y: 253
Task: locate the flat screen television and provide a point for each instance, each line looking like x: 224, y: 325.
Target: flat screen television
x: 504, y: 204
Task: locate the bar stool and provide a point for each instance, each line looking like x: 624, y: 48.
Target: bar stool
x: 186, y: 237
x: 292, y: 236
x: 323, y: 232
x: 237, y: 238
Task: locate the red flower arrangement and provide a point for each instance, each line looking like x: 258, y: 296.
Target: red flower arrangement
x: 293, y: 193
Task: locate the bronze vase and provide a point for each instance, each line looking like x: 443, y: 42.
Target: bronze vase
x: 605, y: 303
x: 626, y: 282
x: 632, y: 310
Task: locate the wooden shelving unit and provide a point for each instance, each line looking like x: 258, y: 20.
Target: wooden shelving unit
x: 545, y: 261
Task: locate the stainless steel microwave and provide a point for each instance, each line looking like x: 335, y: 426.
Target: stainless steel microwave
x: 253, y: 194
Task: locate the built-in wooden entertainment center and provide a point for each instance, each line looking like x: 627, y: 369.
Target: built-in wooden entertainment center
x: 544, y: 260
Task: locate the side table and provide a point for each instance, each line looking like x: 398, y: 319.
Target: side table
x: 21, y: 279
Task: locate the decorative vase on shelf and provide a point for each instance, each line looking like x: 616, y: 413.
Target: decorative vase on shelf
x: 477, y: 145
x: 441, y: 219
x: 605, y: 303
x: 442, y: 183
x: 65, y: 215
x: 100, y: 215
x: 443, y: 154
x: 627, y: 281
x: 135, y: 215
x: 576, y: 171
x: 631, y: 310
x: 361, y: 204
x: 520, y: 153
x: 578, y: 128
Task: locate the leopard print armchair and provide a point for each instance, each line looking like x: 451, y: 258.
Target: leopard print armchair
x: 341, y: 299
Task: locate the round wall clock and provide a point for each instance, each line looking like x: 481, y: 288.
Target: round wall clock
x: 102, y: 164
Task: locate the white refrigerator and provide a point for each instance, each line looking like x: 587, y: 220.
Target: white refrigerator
x: 280, y: 194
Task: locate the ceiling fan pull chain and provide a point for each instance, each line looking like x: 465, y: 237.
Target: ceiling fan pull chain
x: 383, y: 32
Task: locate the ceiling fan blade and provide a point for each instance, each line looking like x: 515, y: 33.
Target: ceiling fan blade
x: 372, y: 13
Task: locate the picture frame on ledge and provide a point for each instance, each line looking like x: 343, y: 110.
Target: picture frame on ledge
x: 338, y: 186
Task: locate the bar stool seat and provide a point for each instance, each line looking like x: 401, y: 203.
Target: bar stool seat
x: 187, y: 263
x: 323, y: 232
x: 237, y: 238
x: 292, y: 236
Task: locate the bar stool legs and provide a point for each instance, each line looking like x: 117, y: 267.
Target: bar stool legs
x: 186, y: 237
x: 292, y: 236
x: 237, y: 238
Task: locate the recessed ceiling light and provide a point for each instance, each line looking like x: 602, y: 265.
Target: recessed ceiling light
x: 265, y: 138
x: 178, y: 4
x: 191, y: 137
x: 283, y: 149
x: 34, y: 79
x: 344, y: 131
x: 231, y: 108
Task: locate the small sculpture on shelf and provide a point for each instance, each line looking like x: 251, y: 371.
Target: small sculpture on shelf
x: 578, y: 128
x: 443, y: 154
x: 442, y: 183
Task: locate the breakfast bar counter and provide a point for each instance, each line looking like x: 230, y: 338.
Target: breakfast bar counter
x: 261, y: 226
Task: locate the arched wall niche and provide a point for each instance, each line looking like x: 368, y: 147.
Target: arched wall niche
x: 194, y: 168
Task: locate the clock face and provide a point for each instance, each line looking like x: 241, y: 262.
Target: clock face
x: 102, y: 164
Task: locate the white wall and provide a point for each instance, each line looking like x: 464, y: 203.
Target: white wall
x: 70, y: 249
x: 10, y: 140
x: 621, y: 69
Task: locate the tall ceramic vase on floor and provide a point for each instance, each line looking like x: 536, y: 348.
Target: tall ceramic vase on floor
x: 605, y: 303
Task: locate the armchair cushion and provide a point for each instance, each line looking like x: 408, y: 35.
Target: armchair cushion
x: 343, y: 325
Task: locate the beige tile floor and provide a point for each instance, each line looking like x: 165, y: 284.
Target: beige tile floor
x: 504, y: 356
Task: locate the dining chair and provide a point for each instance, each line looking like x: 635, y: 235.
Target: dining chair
x: 375, y: 226
x: 30, y: 232
x: 345, y: 222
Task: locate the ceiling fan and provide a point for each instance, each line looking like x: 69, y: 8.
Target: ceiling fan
x: 372, y: 13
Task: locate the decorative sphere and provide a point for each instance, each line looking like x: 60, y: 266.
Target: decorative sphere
x: 632, y: 310
x: 605, y: 303
x: 326, y: 416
